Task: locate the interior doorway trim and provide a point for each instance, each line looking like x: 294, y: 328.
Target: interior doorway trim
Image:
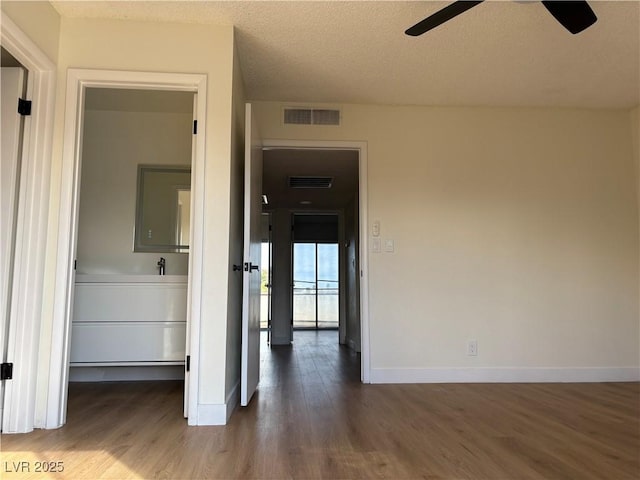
x: 31, y: 229
x: 361, y: 147
x: 78, y: 80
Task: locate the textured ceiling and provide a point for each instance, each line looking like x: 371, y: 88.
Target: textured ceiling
x: 500, y: 53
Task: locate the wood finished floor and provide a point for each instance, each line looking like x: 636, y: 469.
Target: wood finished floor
x: 312, y: 418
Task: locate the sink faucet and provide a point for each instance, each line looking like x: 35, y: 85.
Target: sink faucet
x: 161, y: 265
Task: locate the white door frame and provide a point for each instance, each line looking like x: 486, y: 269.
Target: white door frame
x: 31, y: 229
x: 361, y: 147
x: 78, y: 80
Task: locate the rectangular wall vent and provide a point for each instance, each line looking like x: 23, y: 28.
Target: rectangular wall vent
x: 311, y: 116
x: 310, y: 182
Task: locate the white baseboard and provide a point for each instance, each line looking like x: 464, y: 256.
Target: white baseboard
x: 126, y: 373
x: 211, y: 414
x: 505, y: 375
x: 216, y: 413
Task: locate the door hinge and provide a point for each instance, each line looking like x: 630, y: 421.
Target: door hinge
x: 195, y: 127
x: 6, y: 371
x: 188, y: 363
x: 24, y: 107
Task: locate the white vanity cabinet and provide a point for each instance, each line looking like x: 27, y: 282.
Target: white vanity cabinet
x: 129, y: 320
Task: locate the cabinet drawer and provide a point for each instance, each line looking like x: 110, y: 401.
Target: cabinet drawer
x: 93, y: 342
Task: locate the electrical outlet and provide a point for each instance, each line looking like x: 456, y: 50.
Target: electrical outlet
x: 472, y: 348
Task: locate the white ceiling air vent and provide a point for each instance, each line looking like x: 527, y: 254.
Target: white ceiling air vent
x: 310, y: 182
x: 311, y: 116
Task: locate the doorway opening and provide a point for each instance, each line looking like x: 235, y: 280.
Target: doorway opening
x: 181, y: 336
x: 129, y: 318
x: 315, y: 195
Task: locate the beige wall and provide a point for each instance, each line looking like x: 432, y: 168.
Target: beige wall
x: 179, y: 48
x: 514, y: 227
x: 115, y: 142
x: 38, y: 20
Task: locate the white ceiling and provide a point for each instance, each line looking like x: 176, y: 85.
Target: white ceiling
x: 500, y: 53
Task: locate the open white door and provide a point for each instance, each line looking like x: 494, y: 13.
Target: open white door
x: 250, y: 371
x: 11, y: 140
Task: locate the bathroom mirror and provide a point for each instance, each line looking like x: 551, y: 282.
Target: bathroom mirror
x: 163, y: 209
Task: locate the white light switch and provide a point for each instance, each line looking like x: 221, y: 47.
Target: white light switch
x: 376, y: 228
x: 375, y: 245
x: 389, y: 246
